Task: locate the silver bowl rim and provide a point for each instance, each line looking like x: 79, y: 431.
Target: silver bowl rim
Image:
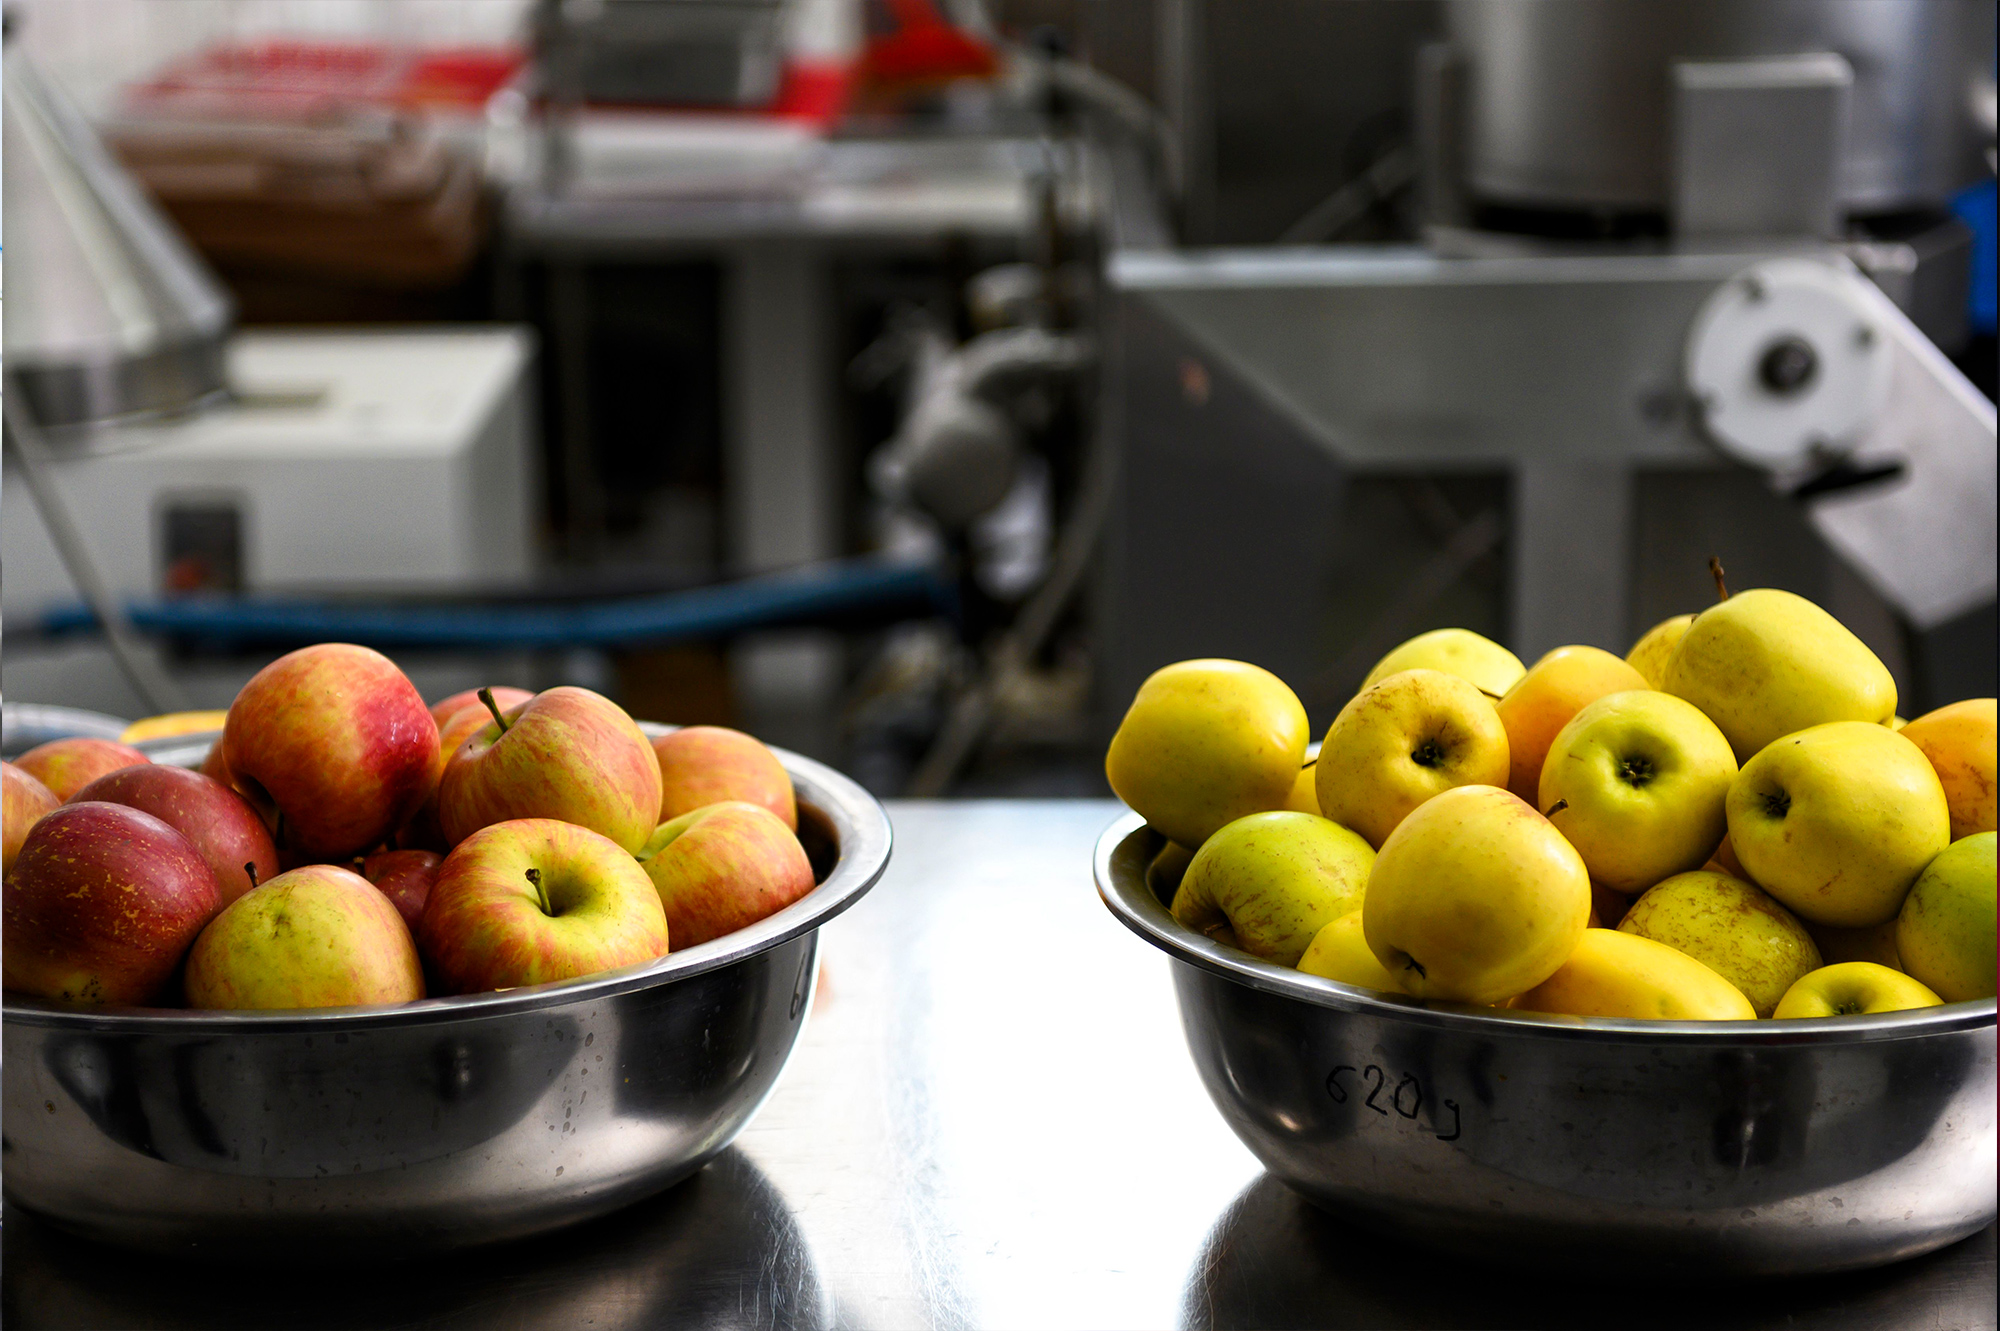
x: 1132, y: 901
x: 860, y: 824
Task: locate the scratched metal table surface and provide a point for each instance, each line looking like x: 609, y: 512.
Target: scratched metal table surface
x: 991, y: 1121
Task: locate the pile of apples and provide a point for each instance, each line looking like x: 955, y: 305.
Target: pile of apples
x: 1730, y: 822
x: 344, y: 844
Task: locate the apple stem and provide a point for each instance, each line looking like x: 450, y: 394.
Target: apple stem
x: 486, y: 696
x: 1715, y: 571
x: 250, y: 867
x: 541, y: 896
x: 1556, y: 808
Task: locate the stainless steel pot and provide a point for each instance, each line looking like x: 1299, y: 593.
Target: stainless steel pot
x: 443, y: 1123
x: 1568, y: 102
x: 1707, y: 1149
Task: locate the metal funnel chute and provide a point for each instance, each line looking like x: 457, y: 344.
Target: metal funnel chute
x: 109, y: 312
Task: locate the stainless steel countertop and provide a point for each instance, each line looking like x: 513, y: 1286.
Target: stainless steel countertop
x: 991, y: 1121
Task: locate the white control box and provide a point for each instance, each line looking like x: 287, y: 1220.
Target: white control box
x: 350, y: 461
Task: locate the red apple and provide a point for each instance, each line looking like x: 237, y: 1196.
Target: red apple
x: 504, y: 697
x: 318, y: 936
x: 339, y: 741
x: 23, y: 800
x: 722, y: 866
x: 66, y: 766
x: 218, y: 822
x: 405, y: 877
x: 102, y: 902
x: 566, y: 753
x: 534, y: 900
x: 706, y: 764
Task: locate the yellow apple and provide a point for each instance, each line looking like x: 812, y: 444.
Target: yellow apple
x: 1612, y: 974
x: 1204, y: 743
x: 1959, y: 742
x: 1273, y: 880
x: 1481, y: 662
x: 1305, y: 791
x: 1403, y: 741
x: 1474, y: 898
x: 1339, y: 951
x: 1734, y: 928
x: 1850, y: 988
x: 1636, y: 781
x: 1836, y: 821
x: 1649, y: 655
x: 1945, y: 930
x: 1876, y: 943
x: 1766, y: 663
x: 1724, y: 860
x: 1555, y: 689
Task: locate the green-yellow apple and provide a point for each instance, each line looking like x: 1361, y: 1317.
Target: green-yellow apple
x: 1403, y: 741
x: 1837, y: 820
x: 722, y: 866
x: 405, y: 877
x: 1272, y: 880
x: 102, y: 903
x: 1475, y: 898
x: 705, y: 764
x: 1649, y: 655
x: 339, y: 741
x: 218, y: 822
x: 1959, y: 741
x: 1945, y: 930
x: 1766, y: 663
x: 1339, y: 951
x: 1555, y: 689
x: 1853, y: 988
x: 1624, y: 975
x: 1481, y: 662
x: 535, y: 900
x: 23, y: 800
x: 1876, y: 943
x: 1734, y: 928
x: 66, y: 766
x: 566, y: 753
x: 1204, y: 743
x: 1636, y: 781
x: 317, y: 936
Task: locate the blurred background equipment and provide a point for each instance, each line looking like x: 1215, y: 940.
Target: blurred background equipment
x: 905, y: 379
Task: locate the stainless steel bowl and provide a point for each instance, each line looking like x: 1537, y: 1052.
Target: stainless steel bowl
x: 443, y: 1123
x: 1703, y: 1148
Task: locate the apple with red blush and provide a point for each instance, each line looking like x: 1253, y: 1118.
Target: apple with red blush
x: 23, y: 800
x: 567, y: 754
x: 708, y: 764
x: 103, y: 902
x: 723, y: 866
x: 218, y: 822
x: 405, y: 877
x: 66, y: 766
x: 339, y: 741
x: 535, y: 900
